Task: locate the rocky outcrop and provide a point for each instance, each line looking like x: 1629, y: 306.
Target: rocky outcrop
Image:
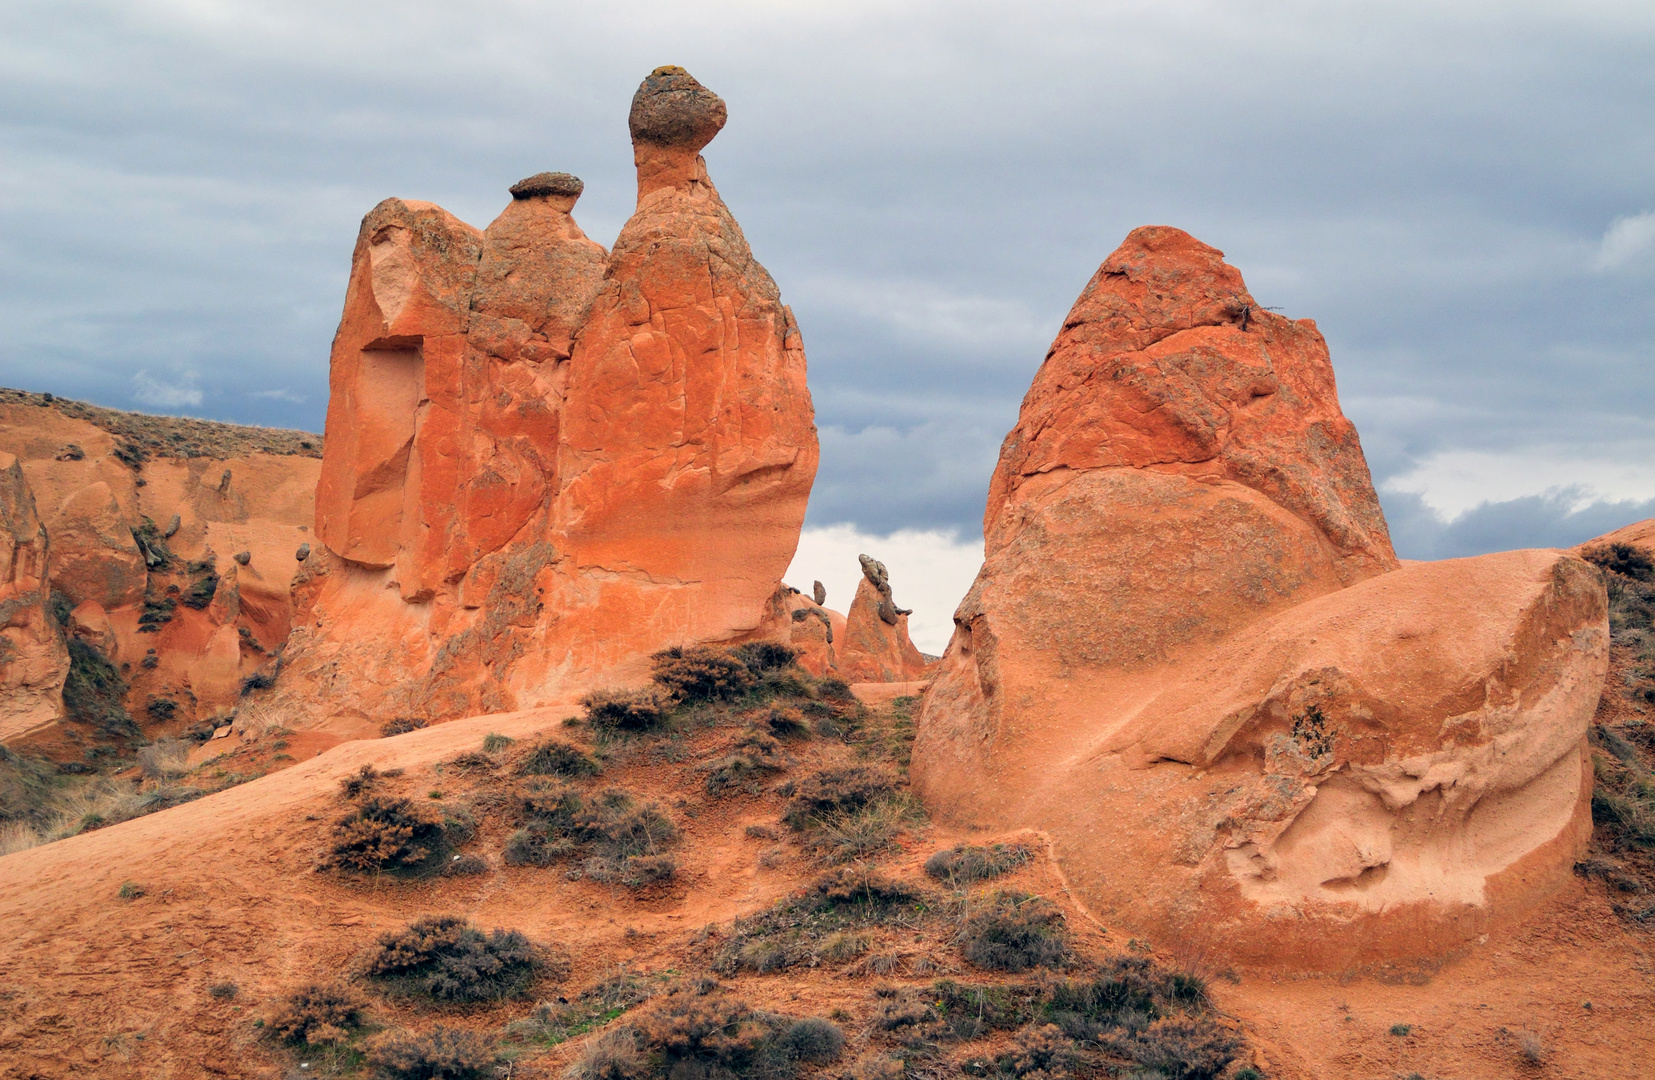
x: 1191, y: 656
x: 141, y: 518
x: 876, y: 644
x: 33, y: 660
x: 545, y: 461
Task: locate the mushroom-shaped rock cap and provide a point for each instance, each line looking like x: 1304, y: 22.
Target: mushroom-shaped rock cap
x: 548, y: 183
x: 672, y: 109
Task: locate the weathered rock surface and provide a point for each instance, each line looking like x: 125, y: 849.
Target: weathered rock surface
x: 876, y: 644
x: 155, y: 599
x: 33, y: 660
x: 1192, y: 658
x: 546, y: 462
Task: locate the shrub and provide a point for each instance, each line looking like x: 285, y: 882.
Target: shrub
x: 1623, y: 559
x: 965, y: 864
x: 130, y: 890
x: 1401, y: 1030
x: 835, y: 689
x: 553, y: 757
x: 786, y: 722
x: 465, y: 866
x: 360, y: 782
x: 164, y: 759
x: 494, y: 742
x: 837, y: 791
x: 93, y: 690
x: 863, y: 885
x: 1180, y: 1047
x: 440, y: 1054
x: 1015, y: 933
x: 638, y: 871
x: 447, y: 958
x: 318, y: 1016
x: 223, y: 991
x: 762, y: 656
x: 1125, y: 988
x: 702, y: 673
x: 401, y: 725
x: 811, y: 1039
x: 614, y: 1055
x: 384, y: 834
x: 627, y: 711
x: 1043, y: 1052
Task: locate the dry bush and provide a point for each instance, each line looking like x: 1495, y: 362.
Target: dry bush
x: 864, y: 885
x: 965, y: 864
x: 164, y: 759
x: 613, y: 712
x: 702, y: 673
x: 1530, y: 1048
x: 875, y: 1067
x: 1015, y: 933
x: 18, y: 836
x: 762, y: 656
x: 554, y: 757
x: 446, y: 958
x: 614, y: 1055
x: 465, y: 866
x: 440, y: 1054
x: 1180, y: 1047
x: 755, y: 755
x: 625, y: 840
x: 1623, y: 559
x: 385, y: 833
x: 401, y: 725
x: 1040, y: 1053
x: 835, y: 690
x: 318, y: 1016
x: 830, y: 792
x: 786, y: 722
x: 811, y: 1039
x: 362, y: 781
x: 641, y: 871
x: 1125, y: 989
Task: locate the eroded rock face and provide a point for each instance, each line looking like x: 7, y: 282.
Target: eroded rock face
x: 1190, y: 654
x: 552, y: 460
x: 876, y: 644
x: 33, y: 659
x: 140, y: 548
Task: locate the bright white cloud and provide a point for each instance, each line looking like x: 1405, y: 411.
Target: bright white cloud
x: 163, y: 395
x: 931, y: 571
x: 1455, y: 482
x: 1626, y: 240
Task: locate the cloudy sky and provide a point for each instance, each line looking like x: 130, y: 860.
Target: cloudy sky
x: 1461, y: 194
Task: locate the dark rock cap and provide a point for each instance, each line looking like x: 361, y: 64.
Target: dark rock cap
x: 547, y: 183
x: 672, y: 109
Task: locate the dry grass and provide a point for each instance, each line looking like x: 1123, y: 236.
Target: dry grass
x: 140, y: 435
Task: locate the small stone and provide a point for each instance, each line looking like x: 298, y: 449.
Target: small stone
x: 224, y: 482
x: 303, y: 553
x: 243, y: 557
x: 71, y: 452
x: 818, y: 593
x: 172, y: 526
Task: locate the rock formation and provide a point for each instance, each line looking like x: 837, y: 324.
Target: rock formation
x: 1191, y: 656
x: 33, y: 660
x: 182, y: 624
x: 546, y: 462
x: 876, y: 645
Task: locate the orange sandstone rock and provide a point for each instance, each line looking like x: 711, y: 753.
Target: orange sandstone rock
x: 33, y: 661
x: 876, y: 644
x: 544, y: 462
x: 1191, y: 658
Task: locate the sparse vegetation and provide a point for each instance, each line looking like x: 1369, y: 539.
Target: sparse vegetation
x: 318, y: 1015
x: 385, y: 833
x: 1014, y: 933
x: 702, y: 673
x: 439, y: 1054
x: 624, y: 841
x: 554, y: 757
x: 823, y: 923
x: 448, y: 959
x: 965, y: 864
x: 93, y: 691
x: 494, y: 742
x: 223, y: 991
x: 624, y: 712
x: 400, y: 725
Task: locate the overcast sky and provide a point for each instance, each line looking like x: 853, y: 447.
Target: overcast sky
x: 1462, y: 195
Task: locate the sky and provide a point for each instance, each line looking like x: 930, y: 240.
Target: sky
x: 1462, y: 195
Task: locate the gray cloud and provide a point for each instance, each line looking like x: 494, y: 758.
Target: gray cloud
x: 1459, y: 194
